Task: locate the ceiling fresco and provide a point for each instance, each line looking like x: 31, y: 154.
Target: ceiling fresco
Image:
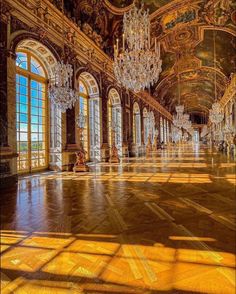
x: 168, y: 61
x: 185, y: 30
x: 225, y: 45
x: 194, y: 95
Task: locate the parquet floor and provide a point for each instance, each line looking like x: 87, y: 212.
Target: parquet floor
x: 164, y: 224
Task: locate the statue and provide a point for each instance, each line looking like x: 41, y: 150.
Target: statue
x: 114, y: 157
x: 80, y: 164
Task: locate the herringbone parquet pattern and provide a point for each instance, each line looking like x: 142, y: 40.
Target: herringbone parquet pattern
x: 159, y: 225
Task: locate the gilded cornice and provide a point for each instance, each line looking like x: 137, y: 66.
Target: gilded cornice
x: 45, y: 16
x: 146, y: 97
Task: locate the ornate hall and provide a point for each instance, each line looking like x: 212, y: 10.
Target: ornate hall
x: 118, y: 146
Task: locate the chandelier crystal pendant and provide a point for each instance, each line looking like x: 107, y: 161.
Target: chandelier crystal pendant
x: 60, y: 89
x: 136, y: 66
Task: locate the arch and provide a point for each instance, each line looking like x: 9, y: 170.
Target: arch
x: 114, y: 96
x: 136, y: 124
x: 91, y: 84
x: 115, y: 119
x: 136, y: 108
x: 89, y: 106
x: 145, y: 112
x: 34, y: 65
x: 41, y: 52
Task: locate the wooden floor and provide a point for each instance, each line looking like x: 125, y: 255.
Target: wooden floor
x: 164, y: 224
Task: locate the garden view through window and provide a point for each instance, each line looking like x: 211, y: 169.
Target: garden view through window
x: 30, y: 113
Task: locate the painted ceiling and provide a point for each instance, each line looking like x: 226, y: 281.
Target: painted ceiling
x: 187, y: 31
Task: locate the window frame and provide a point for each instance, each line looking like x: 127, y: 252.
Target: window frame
x: 44, y: 80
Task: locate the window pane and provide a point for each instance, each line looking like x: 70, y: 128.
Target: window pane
x: 23, y: 118
x: 23, y: 90
x: 23, y: 137
x: 36, y: 68
x: 34, y: 137
x: 23, y: 108
x: 40, y: 111
x: 34, y: 154
x: 34, y: 102
x: 34, y: 84
x: 34, y: 111
x: 40, y: 128
x: 23, y: 99
x: 34, y: 128
x: 34, y: 146
x: 23, y: 127
x: 23, y: 146
x: 23, y: 81
x: 34, y: 119
x: 21, y: 60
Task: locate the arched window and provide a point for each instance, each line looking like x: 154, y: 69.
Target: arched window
x: 114, y: 117
x: 136, y: 124
x: 31, y: 113
x: 168, y: 131
x: 165, y: 131
x: 81, y: 110
x: 152, y: 125
x: 89, y: 107
x: 161, y: 130
x: 145, y: 125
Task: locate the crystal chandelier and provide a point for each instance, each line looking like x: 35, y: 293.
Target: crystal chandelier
x: 215, y: 114
x: 60, y: 89
x: 136, y: 66
x: 178, y: 117
x: 181, y: 120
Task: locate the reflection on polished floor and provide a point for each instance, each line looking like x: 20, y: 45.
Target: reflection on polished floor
x: 164, y: 224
